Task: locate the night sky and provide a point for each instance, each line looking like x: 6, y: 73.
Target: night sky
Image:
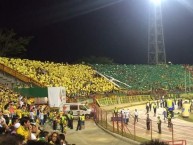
x: 65, y: 31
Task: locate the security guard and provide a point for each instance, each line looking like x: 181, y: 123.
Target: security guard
x: 154, y: 108
x: 79, y: 123
x: 54, y: 121
x: 63, y: 122
x: 83, y: 121
x: 159, y: 124
x: 70, y: 120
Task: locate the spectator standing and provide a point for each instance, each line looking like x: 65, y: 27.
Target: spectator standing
x: 41, y: 117
x: 24, y: 128
x: 32, y: 115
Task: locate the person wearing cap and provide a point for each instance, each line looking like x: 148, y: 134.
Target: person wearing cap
x: 159, y: 124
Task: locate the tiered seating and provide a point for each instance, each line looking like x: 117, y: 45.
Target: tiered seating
x: 145, y: 77
x: 78, y: 79
x: 82, y: 79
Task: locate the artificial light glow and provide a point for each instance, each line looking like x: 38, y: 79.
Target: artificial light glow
x: 156, y: 2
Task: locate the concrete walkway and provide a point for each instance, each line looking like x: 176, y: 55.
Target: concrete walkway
x: 93, y: 135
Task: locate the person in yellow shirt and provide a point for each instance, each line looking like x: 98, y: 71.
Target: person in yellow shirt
x: 83, y: 121
x: 24, y: 128
x: 19, y: 112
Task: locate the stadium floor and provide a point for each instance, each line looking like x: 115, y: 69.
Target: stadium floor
x: 181, y: 130
x: 92, y: 134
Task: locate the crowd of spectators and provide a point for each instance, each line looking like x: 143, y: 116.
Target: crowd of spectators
x: 23, y: 122
x: 146, y: 77
x: 78, y: 79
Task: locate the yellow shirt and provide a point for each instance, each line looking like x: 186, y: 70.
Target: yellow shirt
x: 24, y: 132
x: 19, y: 113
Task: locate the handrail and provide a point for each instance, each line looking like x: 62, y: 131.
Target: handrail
x: 18, y: 75
x: 176, y: 142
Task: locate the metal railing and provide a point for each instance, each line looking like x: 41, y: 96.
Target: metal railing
x: 138, y: 130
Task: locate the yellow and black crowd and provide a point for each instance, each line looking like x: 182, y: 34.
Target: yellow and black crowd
x: 24, y: 123
x: 81, y: 79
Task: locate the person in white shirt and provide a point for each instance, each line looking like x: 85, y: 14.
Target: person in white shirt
x: 34, y: 131
x: 41, y: 117
x: 32, y: 115
x: 127, y: 114
x: 136, y: 116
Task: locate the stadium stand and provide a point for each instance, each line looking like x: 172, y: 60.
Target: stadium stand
x: 78, y: 79
x: 144, y: 77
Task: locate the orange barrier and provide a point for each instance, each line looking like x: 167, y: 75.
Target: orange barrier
x: 136, y: 130
x: 176, y: 142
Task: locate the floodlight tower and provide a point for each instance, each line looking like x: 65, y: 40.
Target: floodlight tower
x: 156, y: 45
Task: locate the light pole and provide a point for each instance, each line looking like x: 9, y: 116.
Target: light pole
x: 185, y: 81
x: 156, y: 44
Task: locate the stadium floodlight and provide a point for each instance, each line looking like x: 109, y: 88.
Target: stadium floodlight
x: 156, y: 2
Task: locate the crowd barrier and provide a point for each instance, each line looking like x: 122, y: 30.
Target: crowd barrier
x: 137, y: 130
x: 122, y: 99
x: 176, y: 142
